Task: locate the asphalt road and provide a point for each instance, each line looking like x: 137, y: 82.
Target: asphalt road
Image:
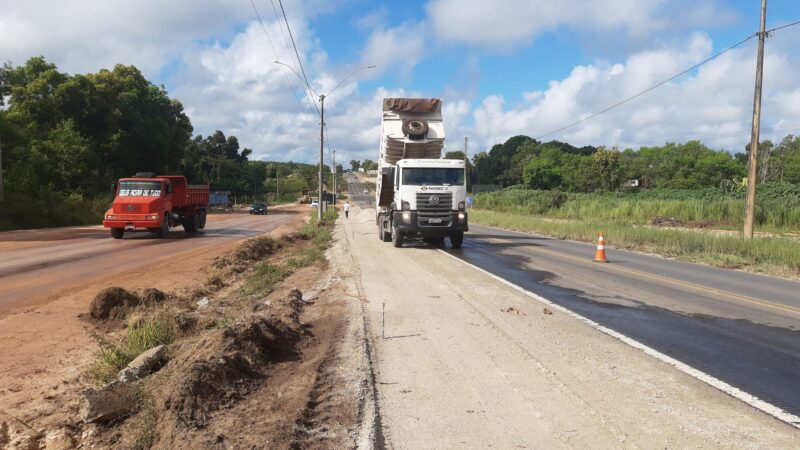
x: 34, y: 264
x: 741, y: 328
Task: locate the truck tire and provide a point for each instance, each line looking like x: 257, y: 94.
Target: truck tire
x: 456, y: 239
x: 163, y: 231
x: 384, y: 232
x: 117, y: 233
x: 202, y: 215
x: 191, y: 224
x: 415, y: 128
x: 397, y: 238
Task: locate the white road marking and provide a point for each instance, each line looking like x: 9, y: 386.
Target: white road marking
x: 735, y: 392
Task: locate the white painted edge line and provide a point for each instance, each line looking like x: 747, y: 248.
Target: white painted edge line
x: 735, y: 392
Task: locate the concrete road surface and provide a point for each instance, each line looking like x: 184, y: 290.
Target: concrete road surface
x: 465, y: 360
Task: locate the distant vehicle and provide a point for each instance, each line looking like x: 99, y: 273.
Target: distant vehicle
x: 314, y: 203
x: 146, y: 202
x: 366, y: 191
x: 258, y: 208
x: 418, y: 194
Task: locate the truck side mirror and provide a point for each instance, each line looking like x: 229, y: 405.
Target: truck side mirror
x: 113, y: 188
x: 169, y: 188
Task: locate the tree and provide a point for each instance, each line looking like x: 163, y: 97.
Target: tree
x: 355, y: 164
x: 369, y: 164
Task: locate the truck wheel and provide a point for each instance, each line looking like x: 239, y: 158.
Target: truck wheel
x: 384, y: 232
x: 397, y: 238
x: 202, y: 214
x: 456, y: 239
x: 117, y: 233
x: 163, y: 231
x: 415, y: 127
x: 191, y: 223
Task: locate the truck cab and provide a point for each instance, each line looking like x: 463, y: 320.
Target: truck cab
x: 429, y: 201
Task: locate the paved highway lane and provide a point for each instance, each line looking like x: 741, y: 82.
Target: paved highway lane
x: 35, y: 262
x: 741, y: 328
x: 738, y: 327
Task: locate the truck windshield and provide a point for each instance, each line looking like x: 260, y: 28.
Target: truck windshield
x: 139, y: 188
x: 432, y: 176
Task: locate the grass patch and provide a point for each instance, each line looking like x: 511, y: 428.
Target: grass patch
x: 267, y: 274
x: 778, y: 206
x: 767, y: 255
x: 141, y: 335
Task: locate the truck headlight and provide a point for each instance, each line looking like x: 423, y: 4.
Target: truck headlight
x: 461, y: 216
x: 151, y: 217
x: 406, y: 206
x: 461, y: 206
x: 406, y: 216
x: 109, y: 217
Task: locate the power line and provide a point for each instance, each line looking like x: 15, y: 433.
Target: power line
x: 648, y: 89
x: 296, y: 53
x: 289, y: 49
x: 767, y: 32
x: 275, y: 52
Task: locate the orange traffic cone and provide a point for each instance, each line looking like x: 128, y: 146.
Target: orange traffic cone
x: 600, y: 254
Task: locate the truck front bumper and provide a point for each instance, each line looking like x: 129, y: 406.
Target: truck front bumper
x: 131, y: 222
x: 412, y: 222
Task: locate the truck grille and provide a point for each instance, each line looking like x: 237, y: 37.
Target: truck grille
x: 437, y: 205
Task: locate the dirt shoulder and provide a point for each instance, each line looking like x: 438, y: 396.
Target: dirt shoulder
x: 462, y: 360
x: 253, y: 361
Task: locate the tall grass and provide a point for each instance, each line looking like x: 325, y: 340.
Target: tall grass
x: 778, y: 206
x: 140, y: 336
x: 767, y: 255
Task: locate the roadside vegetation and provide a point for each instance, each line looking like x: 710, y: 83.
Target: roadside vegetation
x: 67, y: 137
x: 778, y: 206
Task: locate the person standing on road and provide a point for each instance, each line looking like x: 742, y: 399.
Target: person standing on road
x: 346, y: 209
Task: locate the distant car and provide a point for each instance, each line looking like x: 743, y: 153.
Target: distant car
x: 366, y: 191
x: 258, y: 208
x: 314, y: 203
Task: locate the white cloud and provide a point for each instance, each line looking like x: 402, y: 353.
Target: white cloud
x: 713, y: 104
x: 87, y: 35
x: 509, y: 23
x: 400, y: 48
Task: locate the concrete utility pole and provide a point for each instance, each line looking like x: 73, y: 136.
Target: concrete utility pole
x: 334, y: 177
x: 321, y: 154
x: 750, y: 205
x: 466, y: 168
x: 1, y: 171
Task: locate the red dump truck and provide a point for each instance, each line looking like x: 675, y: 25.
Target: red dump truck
x: 147, y: 202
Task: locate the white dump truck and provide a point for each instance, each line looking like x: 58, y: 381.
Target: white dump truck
x: 418, y: 194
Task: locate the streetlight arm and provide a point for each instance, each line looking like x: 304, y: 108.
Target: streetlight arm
x: 348, y: 76
x: 302, y: 80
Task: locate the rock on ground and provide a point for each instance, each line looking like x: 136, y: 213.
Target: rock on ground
x: 143, y: 364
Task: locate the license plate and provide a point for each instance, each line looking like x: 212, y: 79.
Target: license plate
x: 434, y: 220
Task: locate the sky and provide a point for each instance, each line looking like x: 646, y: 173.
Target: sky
x: 502, y: 67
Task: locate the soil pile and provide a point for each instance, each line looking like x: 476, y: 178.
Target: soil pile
x: 116, y: 302
x: 222, y: 366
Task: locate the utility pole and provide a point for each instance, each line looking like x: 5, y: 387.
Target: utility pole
x: 321, y: 154
x: 334, y: 178
x: 1, y: 171
x: 750, y: 205
x: 466, y: 168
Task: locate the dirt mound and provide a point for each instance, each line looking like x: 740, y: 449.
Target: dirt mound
x: 661, y: 221
x: 221, y: 367
x: 251, y: 250
x: 152, y: 296
x: 110, y: 301
x: 115, y: 302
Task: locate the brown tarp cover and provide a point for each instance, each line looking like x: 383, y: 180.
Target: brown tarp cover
x: 412, y: 105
